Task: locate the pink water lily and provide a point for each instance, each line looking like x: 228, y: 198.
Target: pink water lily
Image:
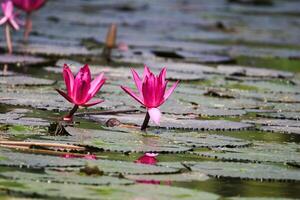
x: 148, y: 158
x: 29, y: 5
x: 9, y: 15
x: 9, y: 19
x: 152, y: 92
x: 81, y: 89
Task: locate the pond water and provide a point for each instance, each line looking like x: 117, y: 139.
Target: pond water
x: 230, y: 130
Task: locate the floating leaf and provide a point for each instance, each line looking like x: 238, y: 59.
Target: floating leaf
x: 121, y: 141
x: 22, y: 60
x: 250, y: 171
x: 25, y: 81
x: 173, y: 123
x: 190, y: 176
x: 280, y: 129
x: 260, y: 152
x: 65, y: 178
x: 69, y: 191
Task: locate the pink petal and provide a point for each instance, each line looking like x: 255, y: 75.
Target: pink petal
x: 149, y: 91
x: 14, y: 24
x: 170, y: 91
x: 29, y: 5
x: 162, y: 76
x: 137, y: 80
x: 145, y: 159
x: 69, y: 79
x: 96, y: 84
x: 92, y: 103
x: 3, y: 20
x: 8, y: 9
x: 131, y: 93
x: 64, y: 95
x: 147, y: 72
x: 82, y: 85
x: 151, y: 154
x: 155, y: 115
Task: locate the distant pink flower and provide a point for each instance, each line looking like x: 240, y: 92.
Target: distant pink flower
x: 122, y: 46
x: 29, y: 5
x: 148, y: 158
x: 81, y: 89
x: 9, y: 15
x: 152, y: 91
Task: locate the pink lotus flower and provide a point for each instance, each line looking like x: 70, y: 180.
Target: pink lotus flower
x: 29, y: 5
x: 148, y: 158
x: 152, y: 92
x: 9, y: 15
x: 81, y: 89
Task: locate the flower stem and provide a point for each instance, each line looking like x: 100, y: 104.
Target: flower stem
x: 146, y: 121
x: 71, y: 113
x: 28, y: 26
x: 8, y: 38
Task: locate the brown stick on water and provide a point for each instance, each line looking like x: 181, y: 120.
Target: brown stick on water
x: 28, y: 26
x: 26, y: 144
x: 8, y: 39
x: 110, y: 42
x: 146, y: 121
x: 5, y: 69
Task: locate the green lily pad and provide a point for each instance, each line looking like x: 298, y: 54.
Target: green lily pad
x: 19, y: 159
x: 22, y: 60
x: 65, y: 178
x: 25, y: 81
x: 201, y: 140
x: 111, y: 166
x: 173, y: 123
x: 189, y: 176
x: 69, y: 191
x: 55, y: 50
x: 281, y: 115
x: 274, y: 122
x: 249, y: 171
x: 280, y: 129
x: 260, y: 152
x: 121, y: 141
x: 17, y: 117
x: 252, y: 72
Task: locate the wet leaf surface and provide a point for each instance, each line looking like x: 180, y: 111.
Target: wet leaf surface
x: 250, y: 171
x: 121, y: 141
x: 238, y: 66
x: 259, y: 152
x: 173, y: 123
x: 31, y: 188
